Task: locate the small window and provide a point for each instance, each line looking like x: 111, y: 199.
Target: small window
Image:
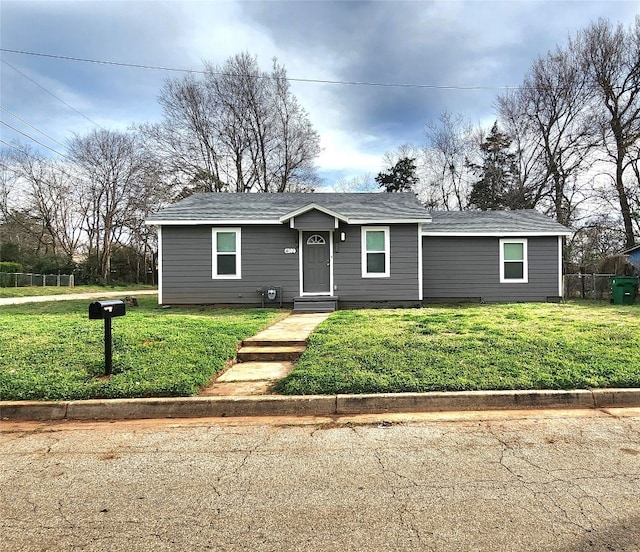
x: 375, y: 252
x: 316, y: 239
x: 226, y: 253
x: 513, y: 262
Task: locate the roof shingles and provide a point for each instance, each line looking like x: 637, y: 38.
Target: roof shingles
x: 362, y: 207
x: 271, y: 207
x: 524, y: 222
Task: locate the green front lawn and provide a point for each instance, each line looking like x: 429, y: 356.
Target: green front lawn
x: 516, y: 346
x: 53, y: 351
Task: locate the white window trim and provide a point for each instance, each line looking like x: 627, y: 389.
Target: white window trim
x: 214, y: 254
x: 525, y: 261
x: 387, y: 252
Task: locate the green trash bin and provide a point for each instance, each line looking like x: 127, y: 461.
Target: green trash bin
x: 623, y: 290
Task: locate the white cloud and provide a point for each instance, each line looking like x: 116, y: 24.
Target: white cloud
x: 488, y: 43
x: 348, y: 154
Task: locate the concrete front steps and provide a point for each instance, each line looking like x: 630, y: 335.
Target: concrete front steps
x: 274, y: 352
x: 267, y: 357
x: 315, y: 304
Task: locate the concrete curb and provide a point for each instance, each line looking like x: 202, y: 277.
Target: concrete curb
x: 315, y: 405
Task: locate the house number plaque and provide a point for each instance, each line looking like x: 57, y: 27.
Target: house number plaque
x: 290, y: 250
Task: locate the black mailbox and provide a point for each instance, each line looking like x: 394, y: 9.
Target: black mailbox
x: 101, y: 310
x: 106, y: 310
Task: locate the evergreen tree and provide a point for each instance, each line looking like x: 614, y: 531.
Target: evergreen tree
x: 399, y: 178
x: 498, y: 186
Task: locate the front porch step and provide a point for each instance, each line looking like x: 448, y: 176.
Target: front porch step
x: 315, y: 304
x: 270, y: 353
x: 251, y: 342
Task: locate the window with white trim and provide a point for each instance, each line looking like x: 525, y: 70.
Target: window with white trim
x: 375, y: 251
x: 513, y: 261
x: 226, y: 253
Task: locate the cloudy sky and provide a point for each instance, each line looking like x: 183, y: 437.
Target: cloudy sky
x: 465, y: 52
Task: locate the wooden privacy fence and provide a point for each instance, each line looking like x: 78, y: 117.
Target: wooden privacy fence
x: 25, y: 279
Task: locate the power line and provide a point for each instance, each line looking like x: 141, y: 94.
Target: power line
x: 33, y: 139
x: 51, y: 93
x: 291, y: 79
x: 31, y: 126
x: 12, y: 146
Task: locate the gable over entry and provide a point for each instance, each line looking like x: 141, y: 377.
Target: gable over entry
x: 313, y: 217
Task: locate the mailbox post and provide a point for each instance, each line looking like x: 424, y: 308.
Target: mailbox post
x: 106, y: 310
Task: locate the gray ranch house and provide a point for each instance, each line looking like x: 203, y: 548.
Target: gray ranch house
x: 324, y: 251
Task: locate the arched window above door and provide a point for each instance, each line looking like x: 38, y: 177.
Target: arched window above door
x: 316, y: 239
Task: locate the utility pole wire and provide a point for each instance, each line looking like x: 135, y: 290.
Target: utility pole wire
x: 33, y: 139
x: 32, y: 127
x: 51, y: 93
x: 290, y: 79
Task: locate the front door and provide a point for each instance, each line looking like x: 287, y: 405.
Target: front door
x: 316, y: 262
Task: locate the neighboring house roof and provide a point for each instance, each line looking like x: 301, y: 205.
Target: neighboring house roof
x: 274, y: 208
x: 526, y: 222
x: 633, y: 254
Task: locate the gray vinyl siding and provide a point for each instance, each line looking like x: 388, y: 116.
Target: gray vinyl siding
x: 401, y: 285
x: 187, y: 265
x: 314, y: 220
x: 469, y: 268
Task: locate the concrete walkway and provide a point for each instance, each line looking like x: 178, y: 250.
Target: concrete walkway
x: 74, y: 296
x: 267, y: 357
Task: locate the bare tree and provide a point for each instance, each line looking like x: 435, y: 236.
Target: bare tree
x: 450, y: 142
x: 6, y: 181
x: 112, y: 175
x: 43, y: 204
x: 187, y: 142
x: 296, y: 145
x: 362, y: 183
x: 551, y: 119
x: 238, y: 129
x: 611, y: 58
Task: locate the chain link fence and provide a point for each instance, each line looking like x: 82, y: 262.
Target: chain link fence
x: 21, y: 279
x: 587, y: 286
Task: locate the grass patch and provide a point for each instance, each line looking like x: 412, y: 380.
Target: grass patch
x: 31, y: 291
x: 475, y: 347
x: 52, y: 351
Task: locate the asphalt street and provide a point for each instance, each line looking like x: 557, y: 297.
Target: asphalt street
x: 537, y: 481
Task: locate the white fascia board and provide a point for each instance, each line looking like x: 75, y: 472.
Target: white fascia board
x: 213, y: 222
x: 496, y: 234
x: 247, y: 222
x: 312, y: 207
